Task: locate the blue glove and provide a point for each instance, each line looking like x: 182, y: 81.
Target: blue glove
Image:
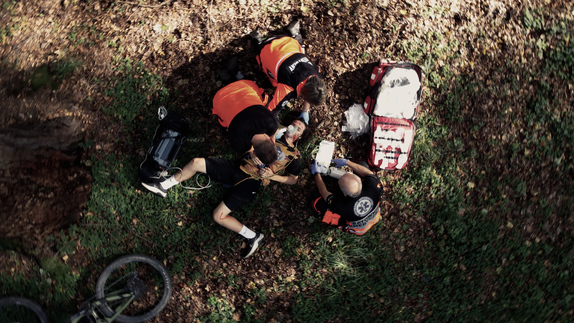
x: 340, y: 162
x: 316, y: 168
x: 305, y: 116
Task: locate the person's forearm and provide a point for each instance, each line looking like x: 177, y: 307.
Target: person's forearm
x: 289, y: 180
x: 321, y: 186
x: 359, y: 169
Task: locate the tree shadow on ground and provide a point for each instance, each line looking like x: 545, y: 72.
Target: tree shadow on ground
x: 43, y: 183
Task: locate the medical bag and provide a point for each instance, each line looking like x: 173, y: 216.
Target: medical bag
x: 393, y: 103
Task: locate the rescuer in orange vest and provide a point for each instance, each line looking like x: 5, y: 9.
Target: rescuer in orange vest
x: 291, y: 72
x: 240, y: 107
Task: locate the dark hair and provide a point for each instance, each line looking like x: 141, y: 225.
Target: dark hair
x: 294, y: 115
x: 266, y: 152
x: 314, y: 90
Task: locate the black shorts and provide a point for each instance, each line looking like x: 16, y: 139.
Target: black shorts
x: 243, y: 189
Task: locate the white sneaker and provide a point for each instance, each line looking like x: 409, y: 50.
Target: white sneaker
x: 156, y: 188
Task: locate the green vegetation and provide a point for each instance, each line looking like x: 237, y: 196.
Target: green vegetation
x: 222, y: 311
x: 7, y: 28
x: 52, y: 75
x: 133, y: 91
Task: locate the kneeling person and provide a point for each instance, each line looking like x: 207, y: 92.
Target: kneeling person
x: 240, y: 108
x: 289, y: 70
x: 354, y: 208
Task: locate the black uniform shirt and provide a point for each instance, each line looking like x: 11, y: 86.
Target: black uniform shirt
x: 353, y: 209
x: 248, y: 123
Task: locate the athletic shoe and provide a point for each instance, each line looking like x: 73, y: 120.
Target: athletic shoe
x: 226, y: 77
x: 256, y: 36
x: 233, y: 66
x: 231, y: 72
x: 156, y: 188
x: 294, y: 28
x: 252, y: 245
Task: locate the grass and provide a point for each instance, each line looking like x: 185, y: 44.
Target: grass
x: 456, y: 248
x: 134, y: 90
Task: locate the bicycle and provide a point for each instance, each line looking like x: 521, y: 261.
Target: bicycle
x: 21, y: 309
x: 133, y: 288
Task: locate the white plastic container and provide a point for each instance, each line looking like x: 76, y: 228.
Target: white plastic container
x: 325, y: 153
x: 335, y: 172
x: 398, y: 94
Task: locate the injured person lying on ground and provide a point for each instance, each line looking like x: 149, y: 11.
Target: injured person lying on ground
x: 245, y: 177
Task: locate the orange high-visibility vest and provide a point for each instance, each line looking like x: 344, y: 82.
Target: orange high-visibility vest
x: 236, y: 97
x: 275, y: 53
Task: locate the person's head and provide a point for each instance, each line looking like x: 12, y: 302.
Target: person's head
x: 314, y: 90
x: 264, y: 149
x: 351, y: 185
x: 299, y: 127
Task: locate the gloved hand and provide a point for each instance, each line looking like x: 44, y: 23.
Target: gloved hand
x: 340, y: 162
x: 316, y: 168
x: 280, y: 133
x: 305, y: 116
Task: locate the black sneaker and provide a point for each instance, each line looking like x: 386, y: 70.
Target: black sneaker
x: 226, y: 77
x: 294, y: 29
x: 156, y: 188
x: 231, y: 72
x: 256, y: 36
x: 252, y: 245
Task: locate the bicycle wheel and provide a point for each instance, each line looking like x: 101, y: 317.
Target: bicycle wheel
x: 146, y: 277
x: 19, y: 309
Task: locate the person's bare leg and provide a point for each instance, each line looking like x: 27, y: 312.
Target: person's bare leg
x: 187, y: 172
x: 222, y: 217
x: 194, y: 166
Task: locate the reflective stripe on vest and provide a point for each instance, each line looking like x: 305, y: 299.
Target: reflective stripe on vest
x: 363, y: 225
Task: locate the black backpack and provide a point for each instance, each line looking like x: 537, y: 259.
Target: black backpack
x: 167, y: 141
